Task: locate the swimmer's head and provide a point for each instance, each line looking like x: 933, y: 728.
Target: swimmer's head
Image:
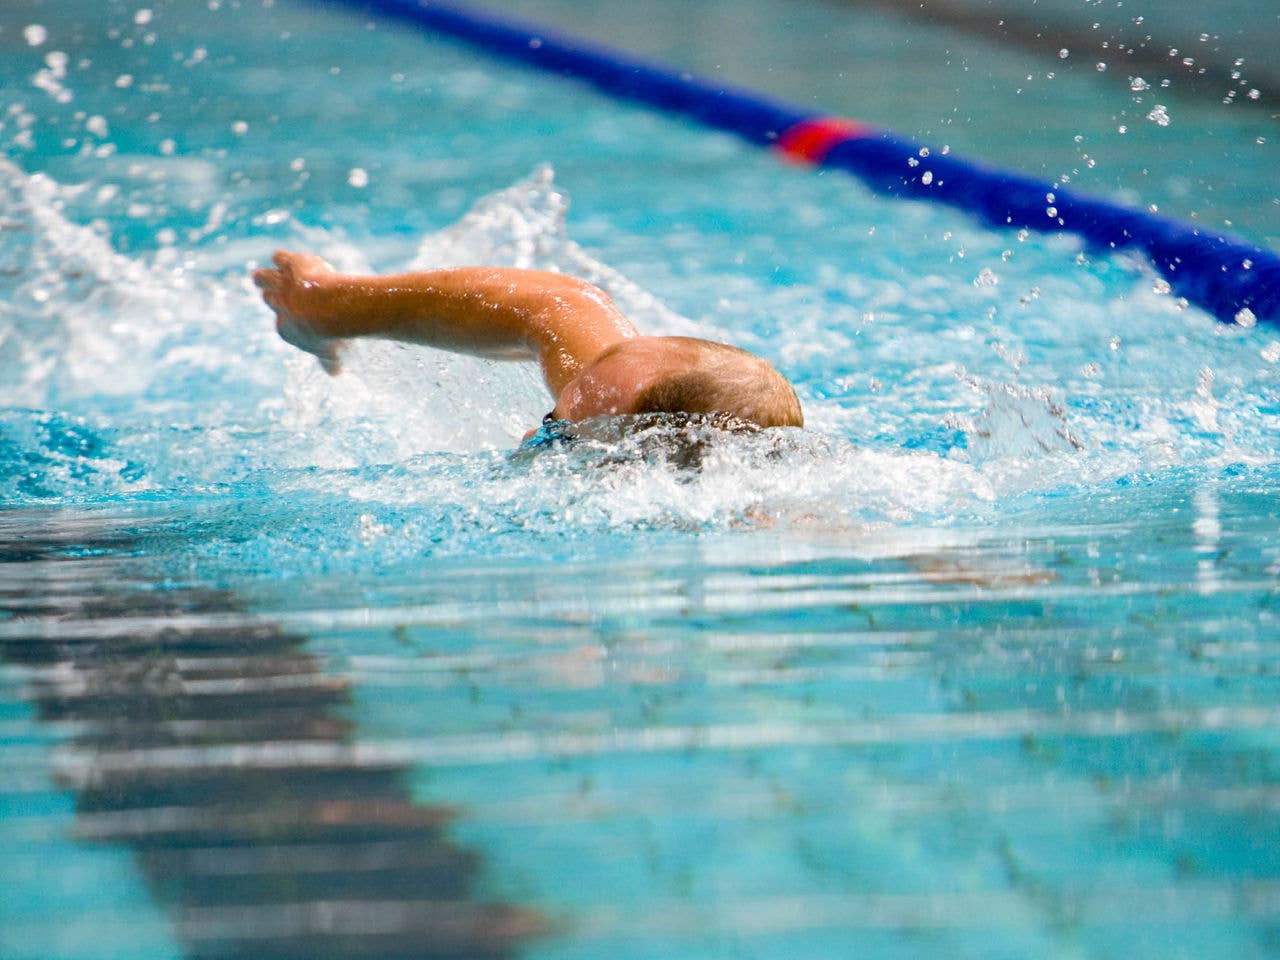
x: 682, y: 375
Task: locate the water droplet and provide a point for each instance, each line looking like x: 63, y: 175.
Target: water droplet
x: 142, y: 17
x: 124, y: 81
x: 1271, y: 352
x: 927, y: 177
x: 1122, y: 129
x: 986, y: 278
x: 1161, y: 285
x: 1247, y: 263
x: 1159, y: 115
x: 240, y: 128
x: 1255, y: 93
x: 1064, y: 53
x: 358, y: 177
x: 96, y: 125
x: 35, y: 34
x: 1137, y: 84
x: 1246, y: 317
x: 1102, y: 67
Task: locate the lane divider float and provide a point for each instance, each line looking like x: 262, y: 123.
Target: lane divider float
x: 1235, y: 281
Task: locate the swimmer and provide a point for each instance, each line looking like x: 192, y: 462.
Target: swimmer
x: 593, y: 360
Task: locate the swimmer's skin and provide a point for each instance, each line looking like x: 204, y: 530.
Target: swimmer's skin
x: 593, y: 360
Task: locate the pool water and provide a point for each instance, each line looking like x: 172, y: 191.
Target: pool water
x: 982, y: 663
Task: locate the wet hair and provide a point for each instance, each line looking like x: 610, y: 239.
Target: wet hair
x: 724, y: 382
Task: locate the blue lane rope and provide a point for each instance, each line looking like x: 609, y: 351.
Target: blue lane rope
x: 1231, y: 279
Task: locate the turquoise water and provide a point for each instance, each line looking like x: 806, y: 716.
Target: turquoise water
x: 980, y: 664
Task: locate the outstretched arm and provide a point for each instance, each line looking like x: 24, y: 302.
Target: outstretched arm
x: 497, y: 312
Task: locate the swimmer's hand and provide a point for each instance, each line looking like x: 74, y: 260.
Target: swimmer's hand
x: 295, y: 291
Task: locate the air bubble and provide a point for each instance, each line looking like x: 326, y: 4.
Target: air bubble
x: 358, y: 177
x: 1246, y: 317
x: 1159, y: 115
x: 1064, y: 53
x: 1137, y: 84
x: 35, y: 34
x: 142, y: 17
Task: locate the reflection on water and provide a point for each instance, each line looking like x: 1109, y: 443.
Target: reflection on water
x: 1051, y: 738
x: 290, y: 859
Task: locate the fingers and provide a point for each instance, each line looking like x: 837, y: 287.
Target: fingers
x: 300, y: 264
x: 266, y: 278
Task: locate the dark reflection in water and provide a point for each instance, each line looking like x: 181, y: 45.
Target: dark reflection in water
x: 248, y: 861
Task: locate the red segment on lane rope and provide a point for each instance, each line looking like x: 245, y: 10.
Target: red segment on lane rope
x: 809, y: 141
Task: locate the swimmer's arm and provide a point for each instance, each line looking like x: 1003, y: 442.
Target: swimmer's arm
x: 495, y: 312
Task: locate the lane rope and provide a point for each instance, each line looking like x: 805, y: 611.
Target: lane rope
x: 1235, y: 281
